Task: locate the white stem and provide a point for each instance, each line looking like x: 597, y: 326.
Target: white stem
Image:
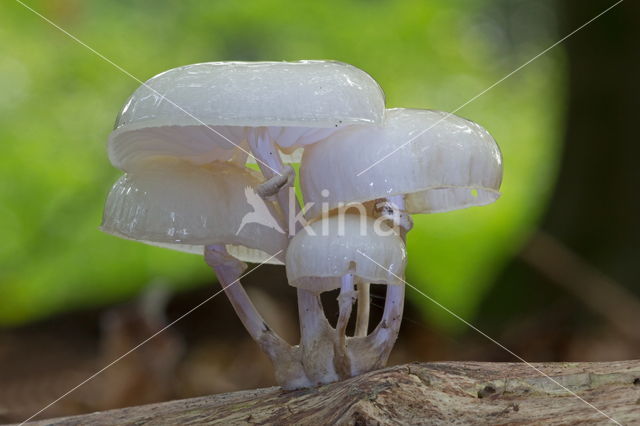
x: 386, y: 333
x: 266, y: 152
x: 316, y: 340
x: 345, y: 304
x: 310, y: 308
x: 362, y: 319
x: 372, y: 352
x: 228, y: 271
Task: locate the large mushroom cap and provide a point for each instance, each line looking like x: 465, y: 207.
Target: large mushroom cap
x: 202, y: 109
x: 441, y: 162
x: 172, y: 203
x: 318, y: 256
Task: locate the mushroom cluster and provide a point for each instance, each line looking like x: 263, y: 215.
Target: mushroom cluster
x: 186, y: 137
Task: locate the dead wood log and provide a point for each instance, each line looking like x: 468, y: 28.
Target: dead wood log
x: 419, y: 393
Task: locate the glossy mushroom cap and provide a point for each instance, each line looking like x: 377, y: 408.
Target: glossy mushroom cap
x: 192, y: 110
x: 451, y: 163
x: 320, y: 255
x: 175, y: 204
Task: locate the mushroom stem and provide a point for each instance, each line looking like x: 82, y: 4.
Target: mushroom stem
x: 362, y: 318
x: 273, y: 169
x: 316, y: 339
x: 345, y: 304
x: 316, y: 334
x: 386, y: 333
x: 288, y: 362
x: 228, y: 270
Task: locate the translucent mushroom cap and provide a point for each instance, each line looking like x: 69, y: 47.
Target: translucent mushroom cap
x: 202, y: 111
x: 318, y: 256
x: 175, y: 204
x: 443, y: 162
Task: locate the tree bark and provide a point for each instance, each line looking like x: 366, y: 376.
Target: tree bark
x: 418, y: 393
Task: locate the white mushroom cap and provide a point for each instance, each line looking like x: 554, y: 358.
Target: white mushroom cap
x: 172, y: 203
x: 454, y: 164
x: 312, y: 98
x: 316, y: 261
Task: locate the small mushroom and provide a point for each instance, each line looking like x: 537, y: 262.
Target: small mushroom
x: 434, y: 160
x: 325, y: 256
x: 418, y: 161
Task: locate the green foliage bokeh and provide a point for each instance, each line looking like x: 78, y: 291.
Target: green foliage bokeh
x: 59, y: 101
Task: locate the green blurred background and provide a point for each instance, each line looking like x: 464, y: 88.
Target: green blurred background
x: 61, y: 100
x: 570, y: 182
